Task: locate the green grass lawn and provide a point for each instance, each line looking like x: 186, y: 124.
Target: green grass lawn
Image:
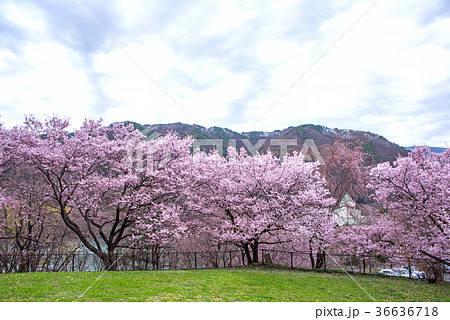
x: 215, y: 285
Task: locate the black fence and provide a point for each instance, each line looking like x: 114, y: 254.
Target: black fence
x: 415, y: 268
x: 127, y: 260
x: 335, y: 261
x: 134, y: 259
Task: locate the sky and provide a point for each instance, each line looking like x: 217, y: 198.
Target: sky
x: 380, y: 66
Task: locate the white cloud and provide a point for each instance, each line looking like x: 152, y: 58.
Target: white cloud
x: 229, y: 16
x: 337, y: 86
x: 138, y: 97
x: 25, y: 16
x: 48, y: 79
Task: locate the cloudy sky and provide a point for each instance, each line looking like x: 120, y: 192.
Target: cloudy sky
x: 244, y: 65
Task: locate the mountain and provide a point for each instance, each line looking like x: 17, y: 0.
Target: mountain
x: 378, y: 148
x: 432, y: 149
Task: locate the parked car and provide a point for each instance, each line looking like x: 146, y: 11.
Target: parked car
x: 387, y: 272
x: 415, y: 273
x: 403, y: 272
x: 400, y: 272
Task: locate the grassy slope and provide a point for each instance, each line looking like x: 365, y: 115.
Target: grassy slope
x: 214, y: 285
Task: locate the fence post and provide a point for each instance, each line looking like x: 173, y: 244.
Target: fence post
x: 231, y: 259
x: 409, y: 268
x: 73, y: 262
x: 292, y: 260
x: 364, y: 264
x: 195, y: 260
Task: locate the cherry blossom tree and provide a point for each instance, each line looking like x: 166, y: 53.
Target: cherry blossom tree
x: 10, y: 141
x: 259, y: 200
x: 88, y: 177
x: 415, y: 193
x: 161, y: 202
x: 30, y: 228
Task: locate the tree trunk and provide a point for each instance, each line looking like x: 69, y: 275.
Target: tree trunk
x: 255, y: 247
x: 109, y: 261
x: 155, y: 257
x: 319, y: 260
x: 311, y: 256
x: 247, y: 254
